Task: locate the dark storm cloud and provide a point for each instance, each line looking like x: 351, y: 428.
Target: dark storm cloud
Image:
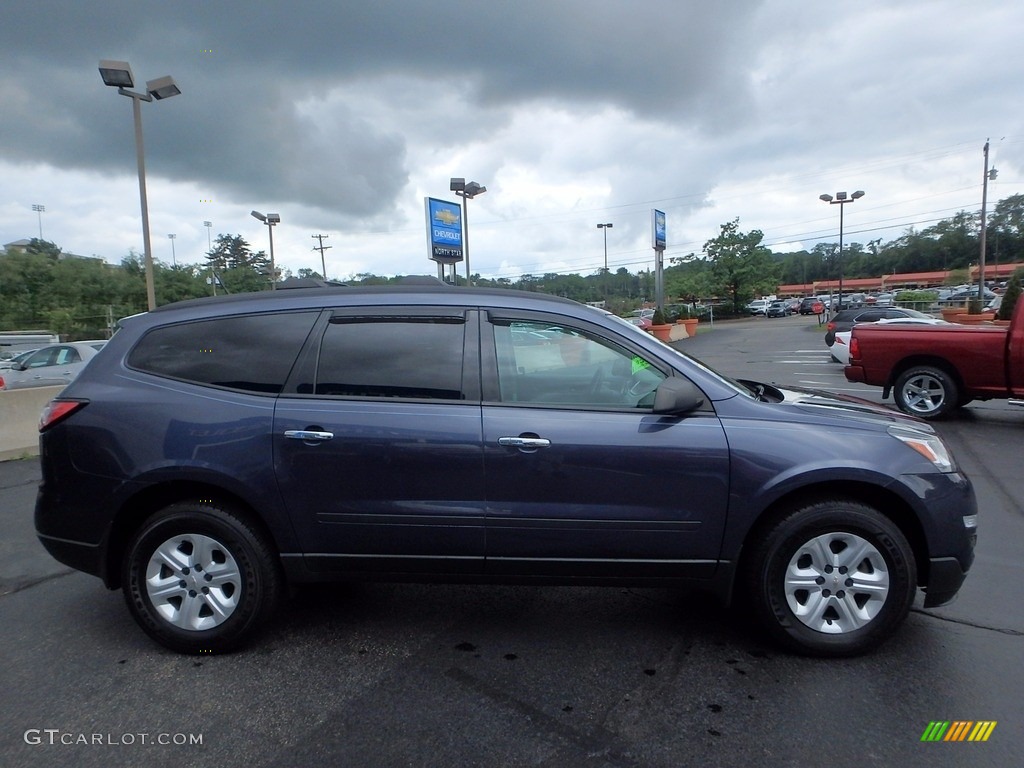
x: 245, y: 67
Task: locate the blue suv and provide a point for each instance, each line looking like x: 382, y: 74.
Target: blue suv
x: 217, y: 450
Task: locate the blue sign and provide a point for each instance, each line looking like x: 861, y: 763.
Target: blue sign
x: 659, y: 239
x: 444, y: 230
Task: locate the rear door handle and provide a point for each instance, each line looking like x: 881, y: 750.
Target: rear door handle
x: 308, y: 435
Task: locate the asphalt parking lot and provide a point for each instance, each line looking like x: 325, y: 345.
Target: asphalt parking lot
x: 410, y: 675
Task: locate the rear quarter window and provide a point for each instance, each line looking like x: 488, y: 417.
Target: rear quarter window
x: 254, y: 353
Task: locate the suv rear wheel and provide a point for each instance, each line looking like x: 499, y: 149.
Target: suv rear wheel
x: 834, y: 578
x: 199, y: 579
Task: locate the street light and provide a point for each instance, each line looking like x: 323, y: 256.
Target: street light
x: 270, y: 220
x: 466, y: 192
x: 605, y: 227
x: 209, y: 250
x: 174, y: 259
x: 841, y: 200
x: 40, y: 210
x: 118, y: 74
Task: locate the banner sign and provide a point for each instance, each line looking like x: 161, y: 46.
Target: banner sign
x: 444, y: 230
x: 658, y: 229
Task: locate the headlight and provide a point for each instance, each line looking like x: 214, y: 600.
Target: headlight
x: 929, y: 446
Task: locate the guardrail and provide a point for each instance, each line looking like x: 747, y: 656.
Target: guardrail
x: 19, y: 420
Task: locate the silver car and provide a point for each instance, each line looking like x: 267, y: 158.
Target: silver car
x: 53, y: 366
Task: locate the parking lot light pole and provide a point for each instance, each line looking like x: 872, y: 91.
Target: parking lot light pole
x: 40, y: 210
x: 467, y: 191
x: 270, y: 220
x: 605, y: 227
x: 118, y: 74
x: 841, y: 199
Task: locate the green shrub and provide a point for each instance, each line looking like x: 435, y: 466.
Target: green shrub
x: 1010, y: 297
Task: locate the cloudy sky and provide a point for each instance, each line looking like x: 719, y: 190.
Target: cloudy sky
x: 343, y: 115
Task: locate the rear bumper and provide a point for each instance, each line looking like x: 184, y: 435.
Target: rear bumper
x: 79, y: 555
x: 854, y: 373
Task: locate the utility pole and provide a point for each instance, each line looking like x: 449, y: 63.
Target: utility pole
x: 322, y: 248
x: 984, y: 200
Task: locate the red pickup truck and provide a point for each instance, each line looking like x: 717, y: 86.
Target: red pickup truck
x: 933, y: 369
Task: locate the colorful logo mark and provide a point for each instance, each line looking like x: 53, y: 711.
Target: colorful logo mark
x: 958, y: 730
x: 446, y: 216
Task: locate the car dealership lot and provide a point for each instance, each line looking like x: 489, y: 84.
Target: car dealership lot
x: 481, y: 675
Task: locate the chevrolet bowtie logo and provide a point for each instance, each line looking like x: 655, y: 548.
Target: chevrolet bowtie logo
x: 446, y: 216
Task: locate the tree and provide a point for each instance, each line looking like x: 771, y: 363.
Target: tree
x: 44, y: 247
x: 233, y: 252
x: 740, y: 265
x: 1011, y: 297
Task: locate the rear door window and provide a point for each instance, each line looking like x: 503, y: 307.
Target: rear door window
x: 388, y: 356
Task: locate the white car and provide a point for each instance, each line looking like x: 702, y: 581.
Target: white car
x: 759, y: 306
x: 51, y: 366
x: 840, y: 349
x: 7, y: 363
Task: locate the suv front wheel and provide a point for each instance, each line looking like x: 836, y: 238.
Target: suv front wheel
x: 833, y: 578
x: 199, y: 579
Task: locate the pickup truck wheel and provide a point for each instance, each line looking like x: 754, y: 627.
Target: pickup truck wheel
x: 926, y: 391
x: 198, y: 578
x: 833, y: 578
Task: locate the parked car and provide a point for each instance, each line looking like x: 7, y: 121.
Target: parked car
x: 778, y: 308
x: 962, y: 297
x: 220, y: 449
x: 845, y: 319
x: 54, y: 365
x: 807, y: 305
x: 11, y: 358
x: 841, y: 348
x: 759, y: 306
x: 881, y: 299
x: 639, y: 322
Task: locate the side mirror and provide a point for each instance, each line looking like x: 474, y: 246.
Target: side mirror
x: 17, y: 366
x: 677, y: 396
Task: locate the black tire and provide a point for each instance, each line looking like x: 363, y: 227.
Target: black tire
x: 926, y: 391
x: 198, y: 578
x: 801, y: 594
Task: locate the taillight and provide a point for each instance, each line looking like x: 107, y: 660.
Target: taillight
x: 831, y: 326
x: 854, y: 348
x: 58, y: 410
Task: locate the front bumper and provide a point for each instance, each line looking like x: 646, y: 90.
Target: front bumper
x: 945, y: 577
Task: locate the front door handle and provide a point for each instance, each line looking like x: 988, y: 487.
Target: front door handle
x: 308, y: 435
x: 524, y: 442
